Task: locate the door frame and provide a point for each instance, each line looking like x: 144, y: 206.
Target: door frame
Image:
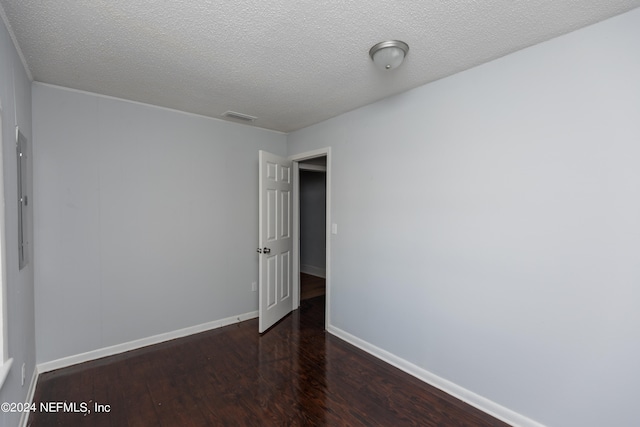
x: 322, y: 152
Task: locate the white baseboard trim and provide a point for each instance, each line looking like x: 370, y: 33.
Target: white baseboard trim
x: 24, y: 418
x: 485, y: 405
x: 313, y: 270
x: 143, y: 342
x: 4, y: 370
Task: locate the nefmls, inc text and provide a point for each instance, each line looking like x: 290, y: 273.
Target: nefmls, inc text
x: 52, y: 407
x: 81, y: 407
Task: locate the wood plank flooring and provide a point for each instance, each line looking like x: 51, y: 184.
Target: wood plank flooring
x: 296, y: 374
x: 311, y: 286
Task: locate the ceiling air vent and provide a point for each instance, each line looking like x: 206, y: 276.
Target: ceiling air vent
x: 239, y: 116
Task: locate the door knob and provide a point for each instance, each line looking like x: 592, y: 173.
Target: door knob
x: 266, y: 251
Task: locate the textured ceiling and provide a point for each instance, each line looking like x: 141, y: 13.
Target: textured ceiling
x: 291, y: 63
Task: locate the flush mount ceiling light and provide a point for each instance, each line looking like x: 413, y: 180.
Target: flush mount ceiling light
x: 389, y: 55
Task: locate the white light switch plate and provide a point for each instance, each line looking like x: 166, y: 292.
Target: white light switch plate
x: 334, y: 228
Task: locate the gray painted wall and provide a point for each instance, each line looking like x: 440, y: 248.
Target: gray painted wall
x: 489, y: 226
x: 15, y: 98
x: 146, y: 220
x: 312, y: 221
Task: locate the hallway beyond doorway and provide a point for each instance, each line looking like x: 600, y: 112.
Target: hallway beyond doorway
x: 311, y: 286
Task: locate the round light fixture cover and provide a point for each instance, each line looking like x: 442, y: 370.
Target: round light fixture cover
x: 389, y: 55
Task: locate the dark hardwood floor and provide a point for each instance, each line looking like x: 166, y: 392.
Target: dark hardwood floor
x: 295, y: 374
x: 311, y: 286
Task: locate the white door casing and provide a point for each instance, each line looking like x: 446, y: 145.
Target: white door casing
x: 297, y: 158
x: 275, y: 239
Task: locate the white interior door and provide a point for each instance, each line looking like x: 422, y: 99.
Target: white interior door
x: 276, y: 243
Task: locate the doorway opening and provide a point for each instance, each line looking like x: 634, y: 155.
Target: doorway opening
x: 312, y: 197
x: 311, y: 215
